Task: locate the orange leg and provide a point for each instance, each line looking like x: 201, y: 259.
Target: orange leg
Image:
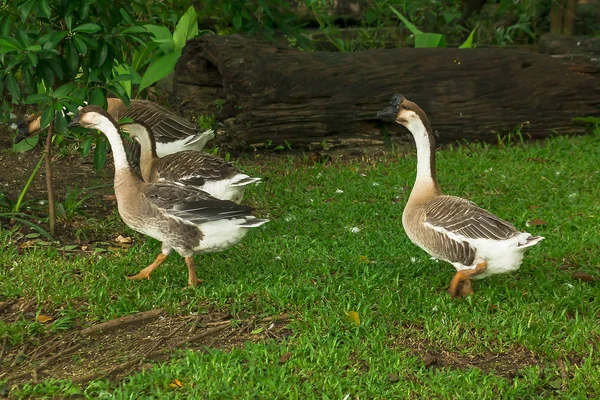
x: 460, y: 286
x: 145, y: 273
x: 193, y: 280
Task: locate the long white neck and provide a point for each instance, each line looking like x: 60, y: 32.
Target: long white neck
x: 423, y: 141
x: 141, y: 133
x: 116, y: 143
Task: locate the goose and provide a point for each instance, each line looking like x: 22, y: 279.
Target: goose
x: 190, y: 168
x: 172, y: 133
x: 182, y: 218
x: 476, y: 242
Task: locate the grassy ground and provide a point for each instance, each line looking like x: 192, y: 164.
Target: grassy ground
x: 335, y: 244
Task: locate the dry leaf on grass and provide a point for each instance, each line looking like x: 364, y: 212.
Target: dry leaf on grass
x: 393, y: 378
x: 354, y: 317
x: 285, y: 357
x: 121, y: 239
x: 176, y: 384
x: 42, y: 319
x: 535, y: 222
x: 582, y: 276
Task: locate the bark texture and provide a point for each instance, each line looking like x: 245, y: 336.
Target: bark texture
x: 270, y: 95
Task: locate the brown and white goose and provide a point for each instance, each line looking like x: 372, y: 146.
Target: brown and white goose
x: 191, y: 168
x: 183, y: 218
x: 476, y: 242
x: 172, y: 132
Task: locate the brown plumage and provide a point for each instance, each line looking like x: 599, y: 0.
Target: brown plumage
x: 204, y: 171
x: 476, y: 242
x: 182, y: 218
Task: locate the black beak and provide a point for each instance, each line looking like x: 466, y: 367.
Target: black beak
x: 23, y: 132
x: 389, y: 113
x: 74, y: 122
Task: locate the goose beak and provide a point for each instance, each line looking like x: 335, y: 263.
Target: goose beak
x: 23, y: 132
x: 389, y: 113
x: 74, y: 122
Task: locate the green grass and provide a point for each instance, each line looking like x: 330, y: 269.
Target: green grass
x: 308, y: 261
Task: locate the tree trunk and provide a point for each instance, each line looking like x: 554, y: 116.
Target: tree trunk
x: 269, y: 96
x: 49, y: 187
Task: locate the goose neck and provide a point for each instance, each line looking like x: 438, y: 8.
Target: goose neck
x: 426, y: 168
x: 114, y: 138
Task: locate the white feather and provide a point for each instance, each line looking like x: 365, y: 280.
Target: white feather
x: 227, y: 189
x: 195, y: 143
x: 221, y: 234
x: 500, y: 256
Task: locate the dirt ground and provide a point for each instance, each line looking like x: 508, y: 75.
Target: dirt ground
x: 117, y: 347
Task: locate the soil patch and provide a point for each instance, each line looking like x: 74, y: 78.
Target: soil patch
x: 116, y: 348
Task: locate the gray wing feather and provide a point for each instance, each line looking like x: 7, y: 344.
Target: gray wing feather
x: 463, y: 217
x: 165, y: 125
x: 193, y: 205
x: 194, y: 168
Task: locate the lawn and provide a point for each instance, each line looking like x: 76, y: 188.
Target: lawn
x: 335, y: 245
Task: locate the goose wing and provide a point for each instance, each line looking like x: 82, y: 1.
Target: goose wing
x: 463, y: 218
x: 194, y: 168
x: 193, y: 205
x: 165, y: 125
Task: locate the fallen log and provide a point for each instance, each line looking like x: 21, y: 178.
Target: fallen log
x: 270, y: 95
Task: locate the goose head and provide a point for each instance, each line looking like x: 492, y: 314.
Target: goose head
x: 28, y: 127
x: 406, y: 113
x: 91, y: 117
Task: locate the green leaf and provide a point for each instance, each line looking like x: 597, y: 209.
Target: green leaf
x: 469, y: 42
x: 33, y: 58
x: 85, y: 10
x: 35, y: 47
x: 122, y: 77
x: 450, y: 16
x: 415, y: 31
x: 135, y: 29
x: 591, y: 120
x: 159, y: 69
x: 187, y: 28
x: 9, y: 46
x: 100, y: 153
x: 429, y: 40
x: 162, y: 36
x: 13, y: 61
x: 370, y: 16
x: 26, y: 144
x: 101, y: 55
x: 97, y: 97
x: 25, y: 9
x: 36, y: 98
x: 142, y: 56
x: 6, y: 25
x: 47, y: 116
x: 88, y: 28
x: 237, y: 22
x: 45, y: 71
x: 57, y: 67
x: 68, y: 19
x: 72, y: 57
x: 126, y: 17
x: 64, y: 90
x: 86, y: 145
x: 13, y: 88
x: 44, y: 8
x: 23, y: 38
x: 60, y: 122
x: 91, y: 41
x: 56, y: 37
x: 80, y: 45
